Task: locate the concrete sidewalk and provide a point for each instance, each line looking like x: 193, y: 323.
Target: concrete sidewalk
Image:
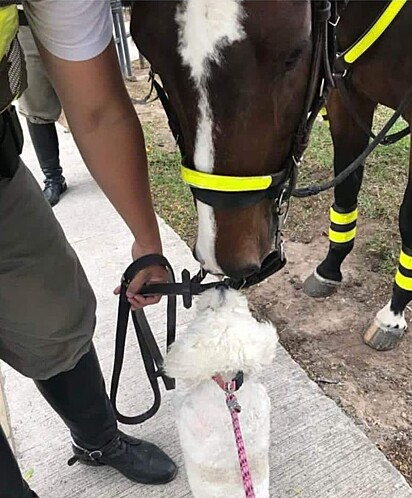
x: 317, y: 452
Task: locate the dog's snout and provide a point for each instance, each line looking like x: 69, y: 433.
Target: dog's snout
x: 241, y: 272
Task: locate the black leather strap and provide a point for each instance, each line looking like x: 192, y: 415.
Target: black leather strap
x: 151, y: 354
x: 388, y: 139
x: 321, y: 187
x: 11, y: 142
x: 271, y: 264
x: 23, y: 21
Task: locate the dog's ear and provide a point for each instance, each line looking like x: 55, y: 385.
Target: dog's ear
x: 186, y: 362
x: 268, y: 340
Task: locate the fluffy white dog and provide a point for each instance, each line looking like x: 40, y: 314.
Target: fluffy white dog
x: 223, y: 339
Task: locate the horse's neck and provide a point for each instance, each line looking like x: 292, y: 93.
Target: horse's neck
x: 356, y: 17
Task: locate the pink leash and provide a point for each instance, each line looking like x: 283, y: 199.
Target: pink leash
x: 234, y: 408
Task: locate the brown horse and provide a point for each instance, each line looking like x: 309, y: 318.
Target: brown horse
x: 237, y: 74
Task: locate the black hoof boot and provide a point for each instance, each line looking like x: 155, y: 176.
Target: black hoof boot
x: 53, y: 190
x: 316, y: 286
x: 136, y: 459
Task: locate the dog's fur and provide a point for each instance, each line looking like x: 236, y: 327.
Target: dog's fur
x: 222, y: 339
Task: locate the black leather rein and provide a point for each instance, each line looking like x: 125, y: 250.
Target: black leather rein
x: 151, y: 354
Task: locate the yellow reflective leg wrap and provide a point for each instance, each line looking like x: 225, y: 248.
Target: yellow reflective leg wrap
x: 404, y: 274
x: 341, y: 237
x: 342, y: 226
x: 324, y: 114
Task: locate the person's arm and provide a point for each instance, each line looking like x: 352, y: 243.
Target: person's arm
x: 109, y: 136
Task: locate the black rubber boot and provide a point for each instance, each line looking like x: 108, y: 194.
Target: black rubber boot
x: 79, y: 397
x: 12, y: 484
x: 46, y: 145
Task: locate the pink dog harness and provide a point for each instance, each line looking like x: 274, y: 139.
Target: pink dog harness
x: 234, y: 408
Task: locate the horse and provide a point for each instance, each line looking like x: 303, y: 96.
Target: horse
x: 237, y: 75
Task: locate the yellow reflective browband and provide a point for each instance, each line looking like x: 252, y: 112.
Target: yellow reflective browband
x: 375, y: 31
x: 221, y: 183
x: 405, y: 266
x: 337, y: 232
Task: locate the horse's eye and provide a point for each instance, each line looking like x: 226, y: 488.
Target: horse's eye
x: 293, y: 58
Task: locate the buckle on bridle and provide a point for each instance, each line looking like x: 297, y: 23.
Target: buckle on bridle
x: 334, y: 23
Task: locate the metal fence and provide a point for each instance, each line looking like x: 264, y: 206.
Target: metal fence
x: 121, y: 39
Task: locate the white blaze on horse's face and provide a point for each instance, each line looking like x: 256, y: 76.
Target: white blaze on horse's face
x: 205, y: 28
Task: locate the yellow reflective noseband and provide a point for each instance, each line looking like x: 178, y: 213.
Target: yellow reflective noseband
x: 375, y: 31
x: 343, y: 226
x: 221, y: 183
x: 404, y: 274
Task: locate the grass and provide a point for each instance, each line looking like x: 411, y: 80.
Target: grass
x: 383, y: 253
x: 384, y: 182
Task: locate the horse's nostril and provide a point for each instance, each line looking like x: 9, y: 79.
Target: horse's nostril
x: 241, y: 272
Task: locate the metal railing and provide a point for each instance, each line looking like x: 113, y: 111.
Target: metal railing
x: 121, y: 39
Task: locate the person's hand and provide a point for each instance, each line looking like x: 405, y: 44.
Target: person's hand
x: 151, y: 274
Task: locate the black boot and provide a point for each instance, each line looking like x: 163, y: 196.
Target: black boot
x: 12, y: 484
x: 46, y: 145
x: 79, y: 397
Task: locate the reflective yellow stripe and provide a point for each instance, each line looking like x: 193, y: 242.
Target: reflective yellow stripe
x: 404, y: 283
x: 222, y: 183
x: 342, y: 237
x: 405, y: 261
x: 375, y: 31
x: 9, y: 25
x: 325, y: 118
x: 343, y: 218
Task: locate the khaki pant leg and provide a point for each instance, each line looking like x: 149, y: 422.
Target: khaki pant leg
x: 39, y: 102
x: 47, y: 307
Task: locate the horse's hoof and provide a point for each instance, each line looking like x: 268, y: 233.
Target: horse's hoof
x: 317, y: 286
x: 382, y: 338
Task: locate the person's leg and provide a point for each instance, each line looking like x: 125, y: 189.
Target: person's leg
x: 41, y: 107
x: 47, y: 318
x: 79, y: 397
x: 46, y: 145
x: 12, y: 484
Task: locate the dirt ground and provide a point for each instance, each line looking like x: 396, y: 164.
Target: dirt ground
x: 325, y: 335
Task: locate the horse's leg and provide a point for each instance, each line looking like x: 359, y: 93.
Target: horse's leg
x: 349, y: 141
x: 389, y: 325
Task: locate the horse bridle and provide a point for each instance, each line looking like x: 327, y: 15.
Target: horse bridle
x: 328, y: 70
x: 231, y: 192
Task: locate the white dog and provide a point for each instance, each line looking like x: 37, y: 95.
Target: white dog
x: 223, y: 339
